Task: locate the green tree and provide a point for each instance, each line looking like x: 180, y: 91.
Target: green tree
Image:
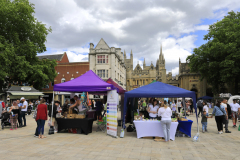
x: 219, y: 59
x: 22, y: 36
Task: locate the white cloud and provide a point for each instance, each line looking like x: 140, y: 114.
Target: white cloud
x: 202, y: 27
x: 140, y: 26
x: 175, y: 71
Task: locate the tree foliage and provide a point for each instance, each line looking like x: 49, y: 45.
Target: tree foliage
x: 22, y: 36
x: 218, y: 59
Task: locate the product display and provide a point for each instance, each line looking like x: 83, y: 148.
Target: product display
x: 153, y: 129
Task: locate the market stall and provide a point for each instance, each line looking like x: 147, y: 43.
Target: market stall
x: 88, y: 82
x: 82, y: 125
x: 157, y: 89
x: 153, y: 129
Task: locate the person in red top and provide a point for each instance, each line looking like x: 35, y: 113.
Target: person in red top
x: 41, y: 118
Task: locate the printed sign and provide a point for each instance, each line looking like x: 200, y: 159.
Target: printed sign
x: 112, y: 101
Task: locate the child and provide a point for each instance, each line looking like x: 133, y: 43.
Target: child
x: 204, y: 121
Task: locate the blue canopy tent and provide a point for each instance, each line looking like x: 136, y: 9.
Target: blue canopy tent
x: 158, y: 89
x: 205, y: 97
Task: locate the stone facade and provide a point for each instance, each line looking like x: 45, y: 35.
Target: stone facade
x: 107, y: 62
x: 138, y: 76
x: 191, y: 81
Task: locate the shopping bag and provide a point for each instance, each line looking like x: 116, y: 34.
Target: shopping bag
x: 49, y: 122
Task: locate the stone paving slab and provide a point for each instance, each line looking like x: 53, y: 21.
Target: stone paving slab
x: 20, y: 144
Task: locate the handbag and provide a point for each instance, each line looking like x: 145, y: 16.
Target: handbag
x: 51, y: 130
x: 49, y: 122
x: 224, y: 117
x: 35, y: 113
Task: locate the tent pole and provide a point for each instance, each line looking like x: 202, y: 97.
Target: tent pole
x: 177, y: 105
x: 52, y: 108
x: 184, y: 106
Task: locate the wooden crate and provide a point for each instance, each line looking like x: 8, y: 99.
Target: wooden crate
x: 71, y: 116
x: 80, y: 116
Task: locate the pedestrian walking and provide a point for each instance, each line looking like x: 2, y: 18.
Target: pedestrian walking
x: 105, y: 109
x: 41, y: 118
x: 204, y: 121
x: 225, y: 120
x: 1, y: 108
x: 219, y: 112
x: 229, y: 113
x: 19, y: 114
x: 205, y: 107
x: 191, y: 106
x: 235, y: 108
x: 200, y: 106
x: 56, y: 110
x: 179, y: 106
x: 23, y: 111
x: 14, y: 110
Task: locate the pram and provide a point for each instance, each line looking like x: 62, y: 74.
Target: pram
x: 29, y: 110
x: 5, y: 121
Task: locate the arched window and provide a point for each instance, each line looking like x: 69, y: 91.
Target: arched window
x: 63, y: 80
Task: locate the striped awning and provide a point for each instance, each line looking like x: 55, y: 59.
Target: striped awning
x: 27, y: 93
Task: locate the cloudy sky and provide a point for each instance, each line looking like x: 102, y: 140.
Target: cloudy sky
x: 140, y: 25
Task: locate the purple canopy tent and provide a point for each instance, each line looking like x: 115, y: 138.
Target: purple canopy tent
x: 88, y: 82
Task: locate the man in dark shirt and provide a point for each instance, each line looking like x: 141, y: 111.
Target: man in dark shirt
x: 229, y: 112
x: 99, y: 108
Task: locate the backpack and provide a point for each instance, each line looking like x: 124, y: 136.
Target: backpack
x: 199, y: 103
x: 35, y: 113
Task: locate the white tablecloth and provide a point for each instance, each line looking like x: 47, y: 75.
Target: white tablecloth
x: 153, y: 129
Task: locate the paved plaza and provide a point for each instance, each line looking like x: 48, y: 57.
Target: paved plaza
x: 20, y: 144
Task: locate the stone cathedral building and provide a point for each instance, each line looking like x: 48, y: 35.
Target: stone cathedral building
x: 137, y: 77
x: 110, y: 62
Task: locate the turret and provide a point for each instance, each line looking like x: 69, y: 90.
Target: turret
x: 124, y: 55
x: 131, y: 58
x: 144, y: 64
x: 91, y: 45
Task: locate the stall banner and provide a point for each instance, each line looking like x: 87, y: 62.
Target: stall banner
x: 112, y: 101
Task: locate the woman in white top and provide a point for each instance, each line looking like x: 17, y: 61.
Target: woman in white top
x: 205, y: 107
x: 166, y: 113
x: 153, y: 110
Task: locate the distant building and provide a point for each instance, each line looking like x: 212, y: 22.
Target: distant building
x: 28, y: 92
x: 139, y: 76
x: 191, y: 81
x: 66, y: 71
x: 107, y: 62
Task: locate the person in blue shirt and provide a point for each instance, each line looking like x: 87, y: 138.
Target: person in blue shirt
x: 220, y: 114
